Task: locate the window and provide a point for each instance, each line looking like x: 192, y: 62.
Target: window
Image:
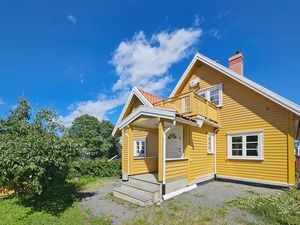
x: 211, y: 143
x: 186, y: 104
x: 172, y: 136
x: 140, y: 148
x: 245, y: 145
x: 213, y: 94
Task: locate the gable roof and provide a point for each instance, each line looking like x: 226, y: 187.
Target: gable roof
x: 150, y: 97
x: 134, y: 92
x: 241, y: 79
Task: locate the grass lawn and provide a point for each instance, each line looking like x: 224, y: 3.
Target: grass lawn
x: 283, y: 209
x: 61, y: 207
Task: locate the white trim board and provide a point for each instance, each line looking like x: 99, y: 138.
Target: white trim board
x: 178, y: 192
x: 135, y: 91
x: 241, y: 79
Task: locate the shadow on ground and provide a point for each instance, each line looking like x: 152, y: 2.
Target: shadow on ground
x: 56, y: 200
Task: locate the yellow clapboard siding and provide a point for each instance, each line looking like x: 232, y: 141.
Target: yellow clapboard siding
x: 243, y: 110
x: 201, y: 163
x: 124, y: 152
x: 145, y: 165
x: 176, y: 169
x: 150, y: 163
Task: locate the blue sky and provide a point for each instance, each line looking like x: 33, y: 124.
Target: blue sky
x: 84, y: 56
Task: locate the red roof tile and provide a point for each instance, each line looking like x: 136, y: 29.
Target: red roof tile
x: 150, y: 97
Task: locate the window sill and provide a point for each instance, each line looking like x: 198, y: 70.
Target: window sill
x: 176, y: 159
x: 239, y: 158
x: 143, y: 157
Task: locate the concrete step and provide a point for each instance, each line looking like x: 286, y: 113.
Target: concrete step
x: 133, y: 197
x: 145, y: 180
x: 153, y: 192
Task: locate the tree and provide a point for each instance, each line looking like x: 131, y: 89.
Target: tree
x: 33, y: 156
x: 94, y: 136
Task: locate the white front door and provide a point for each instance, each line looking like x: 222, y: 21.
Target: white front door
x: 174, y: 143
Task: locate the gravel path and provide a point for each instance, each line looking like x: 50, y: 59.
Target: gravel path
x: 211, y: 195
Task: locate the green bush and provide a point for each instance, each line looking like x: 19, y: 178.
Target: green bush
x: 279, y: 209
x: 298, y: 178
x: 95, y: 168
x: 33, y: 156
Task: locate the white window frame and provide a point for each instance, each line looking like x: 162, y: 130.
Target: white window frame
x: 260, y: 139
x: 207, y: 91
x: 140, y: 140
x: 213, y: 143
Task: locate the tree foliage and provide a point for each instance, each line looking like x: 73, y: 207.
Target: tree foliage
x: 33, y: 156
x: 94, y: 137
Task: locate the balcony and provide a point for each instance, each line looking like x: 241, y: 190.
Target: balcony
x: 191, y: 104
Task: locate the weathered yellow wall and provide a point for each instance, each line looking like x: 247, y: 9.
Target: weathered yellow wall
x: 244, y: 110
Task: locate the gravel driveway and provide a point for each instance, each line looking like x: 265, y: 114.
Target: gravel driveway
x: 212, y: 195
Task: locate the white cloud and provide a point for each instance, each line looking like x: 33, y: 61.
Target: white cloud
x: 1, y: 101
x: 215, y: 33
x: 72, y: 19
x: 198, y: 20
x: 139, y: 62
x: 98, y: 108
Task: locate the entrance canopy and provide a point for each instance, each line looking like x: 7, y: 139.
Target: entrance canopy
x: 150, y: 114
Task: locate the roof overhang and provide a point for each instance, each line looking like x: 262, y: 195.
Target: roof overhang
x: 158, y: 113
x: 241, y: 79
x: 134, y: 92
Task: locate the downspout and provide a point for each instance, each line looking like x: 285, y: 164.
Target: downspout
x: 128, y: 148
x: 164, y: 158
x: 215, y: 153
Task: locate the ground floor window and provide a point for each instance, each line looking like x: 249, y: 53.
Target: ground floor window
x: 140, y: 147
x: 245, y: 145
x: 211, y: 143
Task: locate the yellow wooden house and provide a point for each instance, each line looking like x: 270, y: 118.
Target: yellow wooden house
x: 216, y: 124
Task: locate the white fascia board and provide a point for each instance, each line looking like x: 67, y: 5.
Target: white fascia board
x: 184, y: 75
x: 141, y: 97
x: 241, y: 79
x: 148, y: 111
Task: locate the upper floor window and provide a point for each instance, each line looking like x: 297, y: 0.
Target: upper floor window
x: 213, y: 94
x: 245, y: 145
x: 140, y: 147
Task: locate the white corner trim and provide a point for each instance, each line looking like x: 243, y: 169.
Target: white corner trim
x: 135, y: 91
x: 241, y: 79
x: 178, y: 192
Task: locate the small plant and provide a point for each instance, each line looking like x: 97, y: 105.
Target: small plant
x: 222, y: 211
x: 281, y: 209
x: 198, y: 195
x: 252, y: 192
